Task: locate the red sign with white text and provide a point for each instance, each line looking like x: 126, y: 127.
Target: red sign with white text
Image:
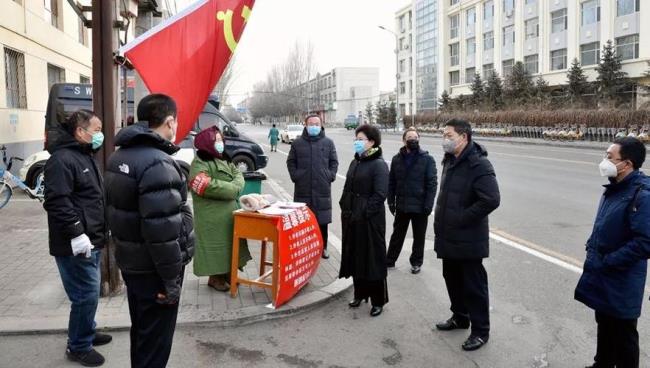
x: 300, y: 248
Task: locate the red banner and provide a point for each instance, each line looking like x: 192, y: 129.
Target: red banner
x: 300, y: 248
x: 185, y: 56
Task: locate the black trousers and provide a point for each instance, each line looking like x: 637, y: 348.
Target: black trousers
x: 377, y: 291
x: 400, y: 227
x: 467, y: 285
x: 152, y: 324
x: 323, y: 231
x: 617, y: 342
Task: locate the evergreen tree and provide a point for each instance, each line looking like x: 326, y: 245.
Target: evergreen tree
x: 519, y: 86
x: 370, y: 112
x: 391, y: 115
x: 611, y: 79
x: 577, y: 86
x: 494, y: 92
x: 478, y: 92
x: 444, y: 103
x: 542, y: 97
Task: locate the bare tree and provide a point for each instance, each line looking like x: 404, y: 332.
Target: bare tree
x: 229, y: 76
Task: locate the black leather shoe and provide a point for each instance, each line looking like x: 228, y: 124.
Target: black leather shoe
x: 415, y: 270
x: 452, y: 324
x: 375, y: 311
x: 357, y: 302
x: 474, y: 343
x: 101, y: 339
x: 87, y: 359
x: 326, y: 254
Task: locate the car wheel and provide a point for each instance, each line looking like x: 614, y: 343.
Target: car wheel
x: 243, y: 163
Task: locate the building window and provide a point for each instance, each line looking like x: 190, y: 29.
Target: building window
x: 83, y: 33
x: 453, y: 2
x: 471, y: 47
x: 402, y: 88
x: 488, y: 70
x: 19, y: 2
x: 453, y: 53
x: 402, y: 66
x: 509, y: 7
x: 558, y: 21
x: 54, y: 75
x: 410, y: 87
x: 528, y: 2
x: 15, y: 79
x: 401, y: 43
x: 401, y: 23
x: 590, y: 12
x: 471, y: 18
x: 411, y: 66
x: 558, y: 59
x: 532, y: 28
x: 507, y: 66
x: 470, y: 74
x: 488, y: 10
x: 454, y: 78
x: 626, y: 7
x: 508, y: 35
x: 590, y: 54
x: 453, y: 26
x: 488, y: 41
x: 531, y: 64
x: 52, y: 11
x: 84, y: 80
x: 627, y: 47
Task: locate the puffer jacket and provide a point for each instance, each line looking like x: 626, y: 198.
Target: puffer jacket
x: 146, y: 197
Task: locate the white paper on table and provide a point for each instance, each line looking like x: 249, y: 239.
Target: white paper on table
x: 292, y: 205
x: 275, y: 211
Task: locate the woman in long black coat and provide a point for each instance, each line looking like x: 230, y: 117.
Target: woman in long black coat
x: 363, y: 218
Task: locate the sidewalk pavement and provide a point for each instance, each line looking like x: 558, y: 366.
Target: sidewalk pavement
x: 32, y: 299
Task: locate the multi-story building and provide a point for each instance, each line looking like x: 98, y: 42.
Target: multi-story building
x: 342, y: 91
x: 427, y: 54
x: 404, y: 26
x: 491, y: 35
x: 42, y: 43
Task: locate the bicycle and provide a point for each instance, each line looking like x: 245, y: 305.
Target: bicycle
x: 8, y: 181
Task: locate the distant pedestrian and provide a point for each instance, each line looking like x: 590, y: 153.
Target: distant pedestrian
x: 274, y: 135
x: 363, y: 220
x: 74, y: 201
x: 151, y: 225
x: 468, y: 194
x: 216, y: 184
x: 312, y: 165
x: 614, y: 272
x: 411, y: 193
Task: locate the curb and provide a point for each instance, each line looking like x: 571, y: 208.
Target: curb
x: 239, y: 317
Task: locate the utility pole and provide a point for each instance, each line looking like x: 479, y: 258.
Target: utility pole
x: 104, y: 106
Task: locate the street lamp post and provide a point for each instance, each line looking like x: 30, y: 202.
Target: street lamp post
x: 397, y: 108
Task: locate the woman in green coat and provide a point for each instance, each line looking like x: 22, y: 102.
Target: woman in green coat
x: 274, y: 135
x: 216, y: 184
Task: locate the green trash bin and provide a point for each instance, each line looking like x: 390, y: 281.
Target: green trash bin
x: 253, y: 182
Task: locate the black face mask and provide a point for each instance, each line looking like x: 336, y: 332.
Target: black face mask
x: 413, y: 145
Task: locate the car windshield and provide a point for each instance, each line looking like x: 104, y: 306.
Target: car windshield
x: 294, y: 128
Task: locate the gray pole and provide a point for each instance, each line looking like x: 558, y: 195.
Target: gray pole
x: 397, y: 109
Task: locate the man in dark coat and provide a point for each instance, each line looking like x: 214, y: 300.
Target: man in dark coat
x: 468, y: 194
x: 411, y: 191
x: 151, y: 225
x: 614, y: 273
x: 312, y: 165
x: 74, y: 201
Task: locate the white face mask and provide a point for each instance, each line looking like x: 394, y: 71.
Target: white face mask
x: 449, y: 146
x: 608, y: 169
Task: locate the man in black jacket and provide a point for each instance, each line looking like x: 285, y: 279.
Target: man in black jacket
x: 312, y: 165
x: 411, y: 191
x: 74, y: 201
x: 468, y: 194
x: 151, y: 226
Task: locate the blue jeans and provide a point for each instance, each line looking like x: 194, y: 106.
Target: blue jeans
x: 81, y: 278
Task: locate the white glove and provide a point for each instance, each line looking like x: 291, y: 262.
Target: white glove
x: 81, y: 244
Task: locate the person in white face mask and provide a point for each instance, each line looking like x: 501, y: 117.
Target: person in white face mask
x: 614, y: 272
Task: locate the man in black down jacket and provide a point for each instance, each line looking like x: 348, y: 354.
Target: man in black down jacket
x: 312, y: 165
x: 151, y: 226
x: 468, y: 194
x: 74, y: 201
x: 411, y: 191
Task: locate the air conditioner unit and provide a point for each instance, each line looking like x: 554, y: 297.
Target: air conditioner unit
x: 406, y: 46
x: 510, y: 13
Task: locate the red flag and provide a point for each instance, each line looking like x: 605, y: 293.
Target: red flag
x: 184, y: 56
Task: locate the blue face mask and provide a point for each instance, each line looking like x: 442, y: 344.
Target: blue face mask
x: 219, y: 147
x: 97, y: 139
x: 359, y: 146
x: 313, y: 130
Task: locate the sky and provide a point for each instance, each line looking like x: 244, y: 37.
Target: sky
x: 344, y: 33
